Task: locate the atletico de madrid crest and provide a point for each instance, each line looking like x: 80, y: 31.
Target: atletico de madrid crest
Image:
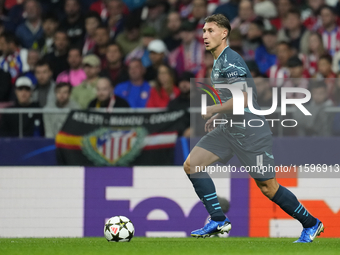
x: 107, y: 146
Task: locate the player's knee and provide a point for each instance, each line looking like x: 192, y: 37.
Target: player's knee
x: 186, y: 167
x: 265, y: 189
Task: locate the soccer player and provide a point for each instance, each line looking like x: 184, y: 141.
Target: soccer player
x: 252, y: 145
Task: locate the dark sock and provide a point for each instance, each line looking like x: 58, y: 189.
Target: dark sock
x: 289, y: 203
x: 205, y: 189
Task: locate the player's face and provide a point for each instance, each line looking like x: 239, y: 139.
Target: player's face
x: 213, y: 35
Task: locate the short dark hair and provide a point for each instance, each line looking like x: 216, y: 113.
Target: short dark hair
x: 117, y: 45
x: 50, y: 16
x: 136, y: 60
x: 62, y: 31
x: 220, y: 20
x: 10, y: 38
x: 326, y: 57
x: 77, y: 49
x: 294, y: 12
x: 93, y: 14
x: 63, y: 84
x: 330, y: 8
x: 315, y: 84
x: 43, y: 62
x: 289, y: 46
x: 101, y: 26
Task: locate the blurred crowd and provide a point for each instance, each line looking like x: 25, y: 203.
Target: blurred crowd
x: 142, y: 53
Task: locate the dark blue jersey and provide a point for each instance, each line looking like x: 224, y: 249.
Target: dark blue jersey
x: 230, y: 68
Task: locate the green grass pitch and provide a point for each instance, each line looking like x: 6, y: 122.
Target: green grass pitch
x: 166, y: 246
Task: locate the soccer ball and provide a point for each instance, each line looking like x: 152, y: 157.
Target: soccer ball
x: 119, y: 229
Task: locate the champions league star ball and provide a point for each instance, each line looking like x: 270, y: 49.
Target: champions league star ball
x: 119, y: 229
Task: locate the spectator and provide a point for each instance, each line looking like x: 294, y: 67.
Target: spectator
x: 320, y: 122
x: 31, y: 30
x: 315, y: 50
x: 92, y: 22
x: 75, y: 75
x: 58, y: 58
x: 182, y: 102
x: 253, y: 39
x: 189, y: 55
x: 245, y: 16
x: 326, y: 73
x: 199, y: 13
x: 32, y: 124
x: 102, y: 40
x: 297, y: 77
x: 235, y: 41
x: 265, y: 9
x: 142, y: 52
x: 136, y: 91
x: 54, y: 122
x: 294, y: 32
x: 264, y: 91
x: 115, y: 20
x: 5, y: 86
x: 131, y: 37
x: 84, y: 93
x: 283, y: 6
x: 253, y: 68
x: 157, y: 53
x: 156, y: 16
x: 208, y: 62
x: 73, y: 23
x: 228, y: 9
x: 33, y: 57
x: 312, y: 17
x: 114, y: 67
x: 185, y: 8
x: 265, y: 54
x: 173, y: 40
x: 44, y: 90
x: 50, y: 24
x: 329, y: 30
x: 14, y: 58
x: 279, y: 72
x: 99, y: 7
x: 165, y: 89
x: 105, y: 97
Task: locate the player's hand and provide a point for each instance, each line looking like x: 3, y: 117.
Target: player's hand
x: 209, y: 125
x: 209, y: 114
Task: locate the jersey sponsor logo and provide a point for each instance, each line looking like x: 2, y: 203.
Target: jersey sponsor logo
x: 232, y: 74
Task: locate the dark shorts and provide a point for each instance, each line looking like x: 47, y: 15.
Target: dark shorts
x: 255, y: 155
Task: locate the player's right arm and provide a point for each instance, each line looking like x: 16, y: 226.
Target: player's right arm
x: 209, y: 124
